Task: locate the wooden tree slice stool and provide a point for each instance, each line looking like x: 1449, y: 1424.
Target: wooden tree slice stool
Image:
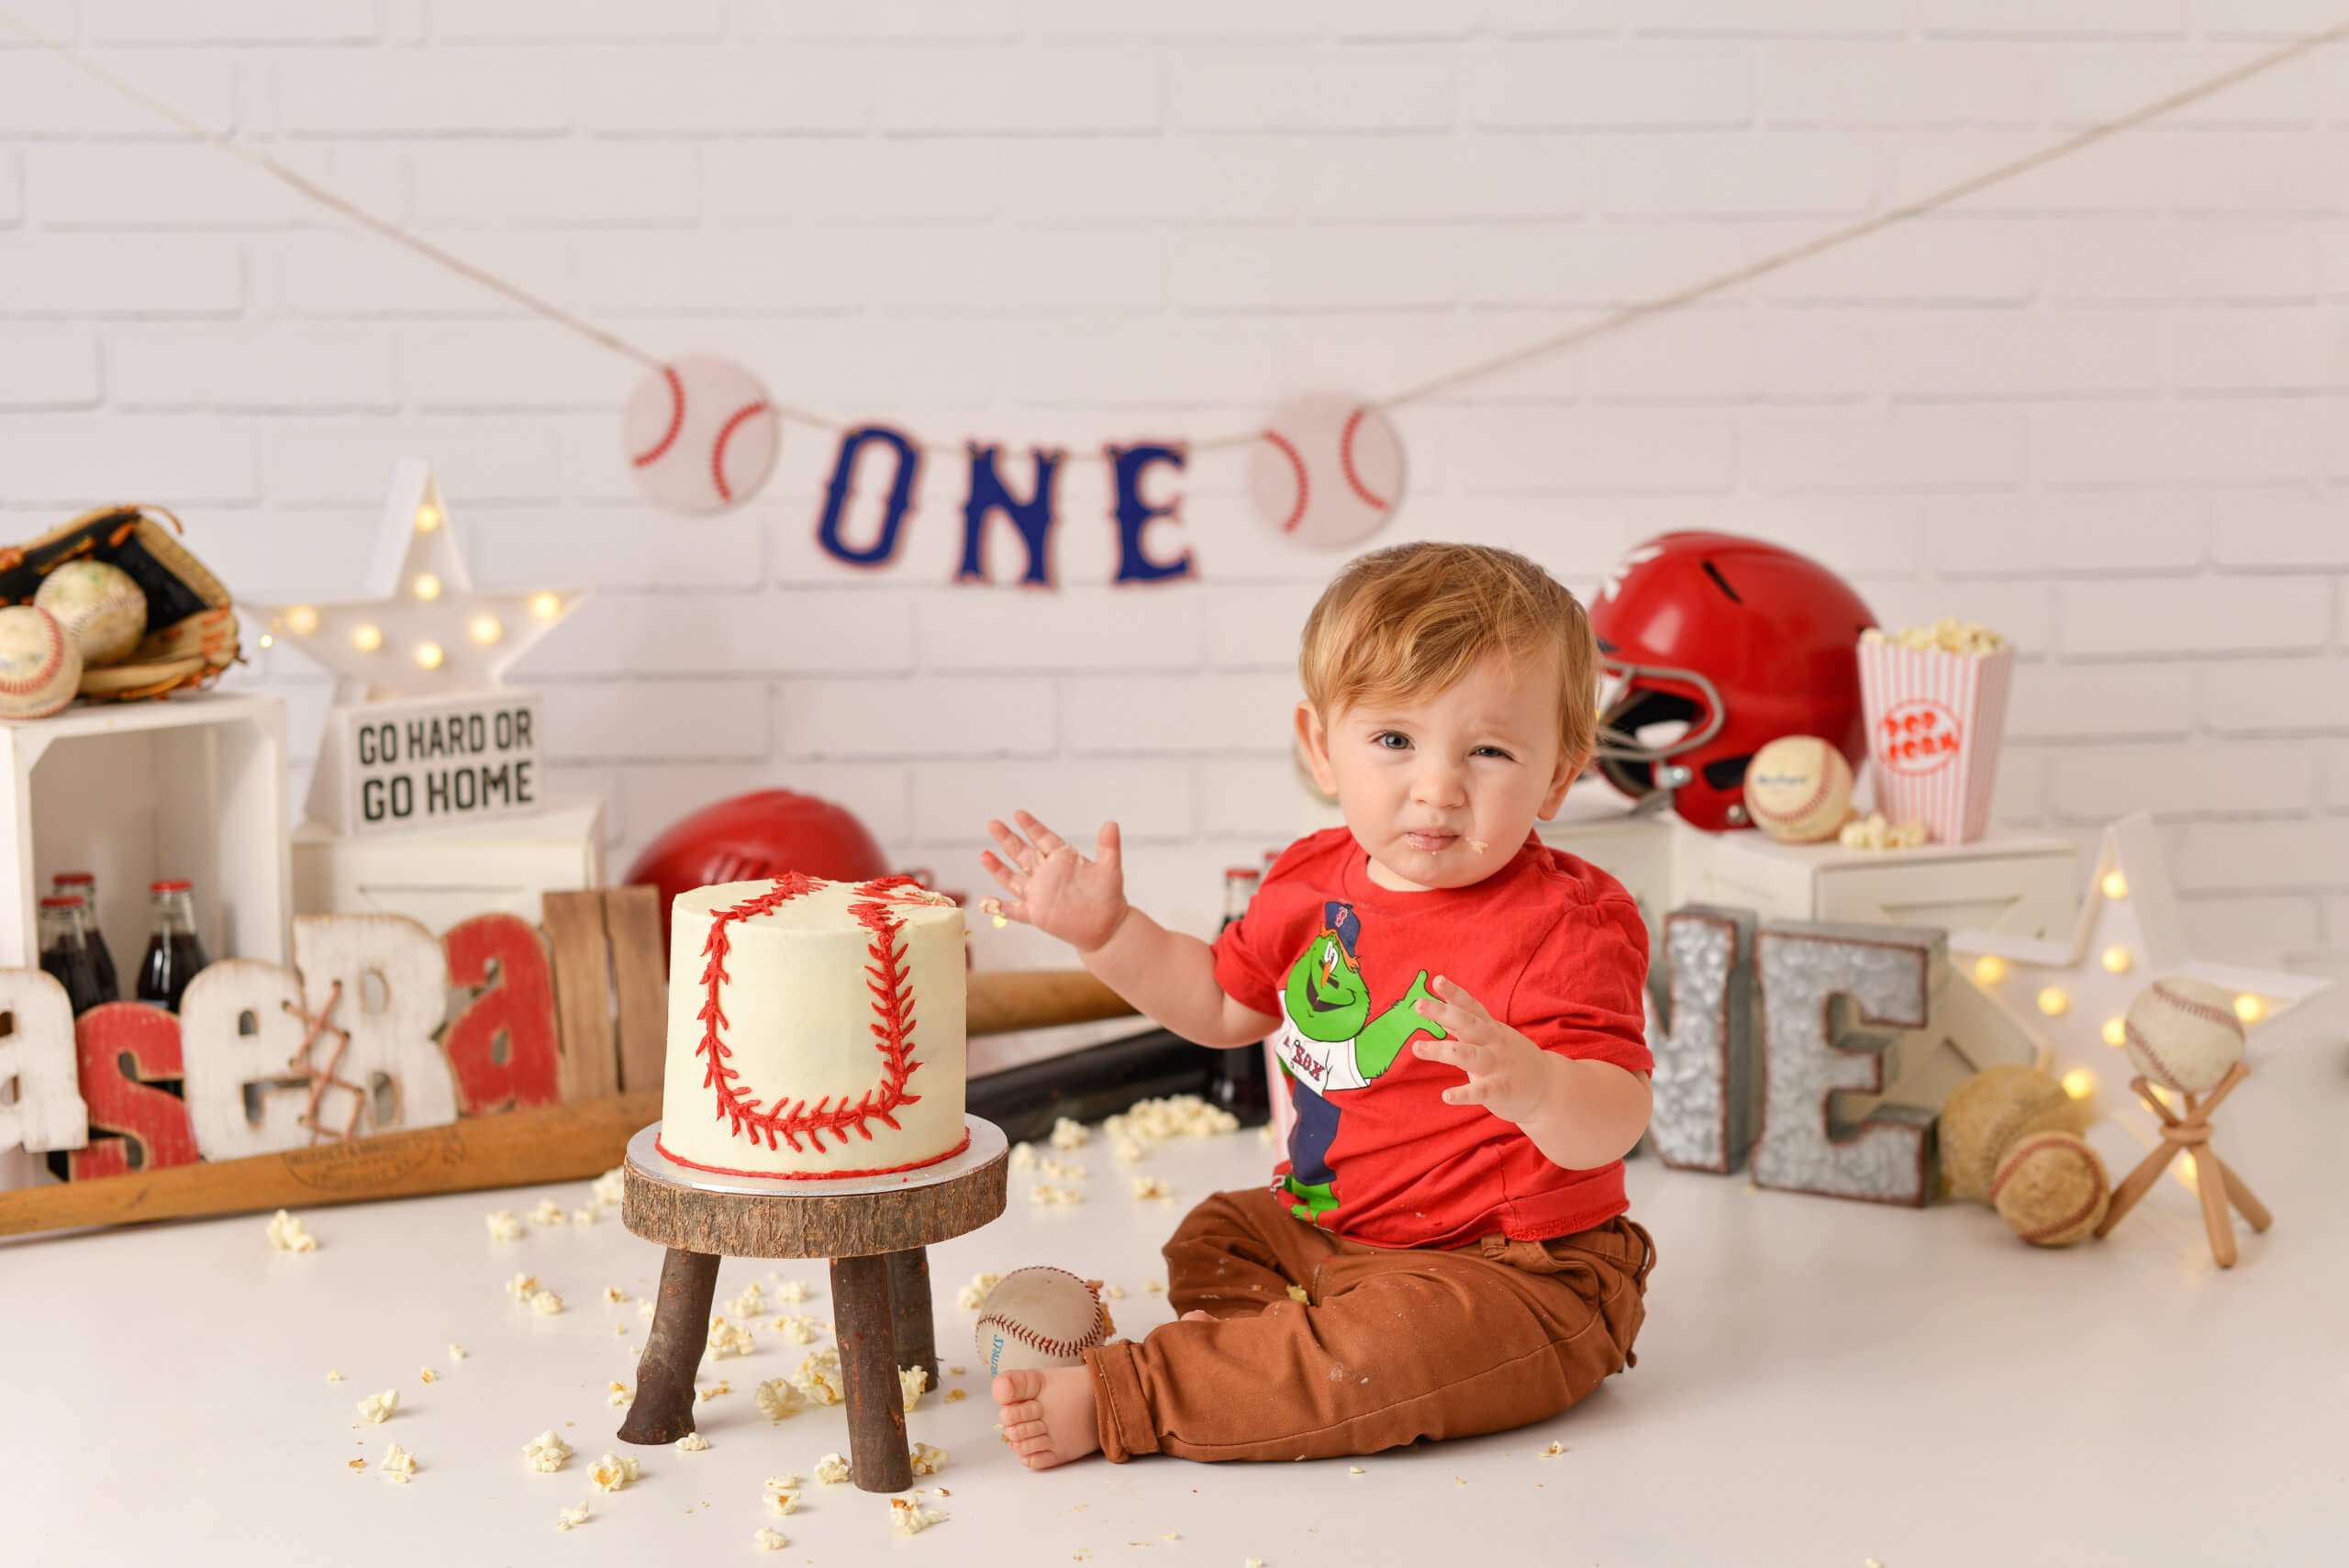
x: 874, y: 1231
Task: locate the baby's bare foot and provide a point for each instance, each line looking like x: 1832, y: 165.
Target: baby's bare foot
x: 1195, y: 1316
x: 1049, y: 1415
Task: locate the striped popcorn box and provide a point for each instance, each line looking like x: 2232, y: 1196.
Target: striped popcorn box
x: 1934, y: 720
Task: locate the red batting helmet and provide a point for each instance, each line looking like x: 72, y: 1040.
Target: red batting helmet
x: 754, y: 837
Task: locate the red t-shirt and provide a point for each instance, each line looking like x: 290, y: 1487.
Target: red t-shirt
x: 1550, y: 944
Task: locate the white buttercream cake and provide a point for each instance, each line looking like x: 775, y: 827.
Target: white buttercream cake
x: 815, y: 1027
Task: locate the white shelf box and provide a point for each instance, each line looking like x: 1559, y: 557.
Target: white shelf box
x: 439, y: 876
x: 192, y: 785
x: 2016, y: 883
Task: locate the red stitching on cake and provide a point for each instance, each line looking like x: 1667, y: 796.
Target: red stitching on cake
x: 892, y: 989
x: 718, y: 450
x: 1304, y: 485
x: 47, y: 669
x: 670, y: 1153
x: 676, y: 419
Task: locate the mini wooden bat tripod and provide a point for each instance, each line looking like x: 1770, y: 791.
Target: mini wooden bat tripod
x: 875, y: 1230
x: 2217, y: 1185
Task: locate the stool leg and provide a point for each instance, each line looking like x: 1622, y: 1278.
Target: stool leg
x: 876, y: 1409
x: 909, y: 1312
x: 663, y: 1409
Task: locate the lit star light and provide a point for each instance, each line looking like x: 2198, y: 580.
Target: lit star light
x: 424, y: 632
x: 2071, y: 996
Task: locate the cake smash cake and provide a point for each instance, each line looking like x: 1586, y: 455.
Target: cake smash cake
x: 815, y: 1028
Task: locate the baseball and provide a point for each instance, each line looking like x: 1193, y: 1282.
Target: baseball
x: 1040, y: 1318
x: 701, y: 434
x: 2051, y: 1189
x: 1990, y: 1112
x: 1797, y: 789
x: 1328, y: 472
x: 2183, y: 1034
x: 100, y: 606
x: 40, y: 669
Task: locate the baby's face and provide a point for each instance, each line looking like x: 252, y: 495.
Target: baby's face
x: 1441, y: 790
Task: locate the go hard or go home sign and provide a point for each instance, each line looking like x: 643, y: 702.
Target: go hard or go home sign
x: 429, y: 761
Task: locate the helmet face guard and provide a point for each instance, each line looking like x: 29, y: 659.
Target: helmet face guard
x: 1641, y: 697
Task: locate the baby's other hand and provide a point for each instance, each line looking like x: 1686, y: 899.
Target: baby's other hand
x: 1504, y: 1068
x: 1055, y: 889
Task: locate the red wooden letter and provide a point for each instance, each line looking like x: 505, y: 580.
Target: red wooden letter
x: 120, y: 1048
x: 502, y: 1046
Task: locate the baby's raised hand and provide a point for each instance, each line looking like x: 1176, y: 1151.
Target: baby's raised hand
x: 1505, y: 1070
x: 1055, y: 889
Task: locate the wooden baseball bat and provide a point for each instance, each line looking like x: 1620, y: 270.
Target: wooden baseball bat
x: 553, y: 1143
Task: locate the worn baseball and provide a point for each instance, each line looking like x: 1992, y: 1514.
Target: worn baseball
x: 2183, y: 1034
x: 701, y: 434
x: 1798, y: 789
x: 40, y: 669
x: 2051, y: 1189
x: 1040, y: 1318
x: 1988, y: 1113
x: 100, y: 606
x: 1326, y: 470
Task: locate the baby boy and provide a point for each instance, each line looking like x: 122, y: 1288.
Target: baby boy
x: 1456, y: 1008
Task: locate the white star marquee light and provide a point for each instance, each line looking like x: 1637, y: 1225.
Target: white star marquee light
x: 424, y: 632
x: 2071, y: 995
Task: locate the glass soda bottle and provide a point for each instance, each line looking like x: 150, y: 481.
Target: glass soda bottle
x: 173, y: 955
x: 84, y: 886
x: 65, y: 950
x: 1236, y: 1077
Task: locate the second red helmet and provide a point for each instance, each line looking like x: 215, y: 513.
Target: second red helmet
x: 1715, y: 645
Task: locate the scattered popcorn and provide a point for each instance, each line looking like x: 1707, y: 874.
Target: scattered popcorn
x: 800, y: 1327
x: 456, y: 1351
x: 358, y: 1464
x: 1054, y: 1197
x: 692, y: 1442
x: 1023, y: 1157
x: 1554, y: 1451
x: 704, y: 1395
x: 1949, y: 634
x: 522, y: 1286
x: 954, y: 1394
x: 769, y: 1540
x: 1054, y: 1170
x: 1114, y: 1291
x: 1152, y: 1187
x: 545, y: 1452
x: 928, y: 1461
x: 333, y: 1376
x: 954, y: 1372
x: 611, y: 1185
x: 430, y: 1375
x: 503, y: 1226
x: 574, y: 1515
x: 614, y: 1295
x: 399, y: 1464
x: 911, y: 1381
x: 285, y: 1234
x: 621, y: 1393
x: 545, y: 1302
x: 974, y: 1296
x: 1152, y: 1287
x: 791, y: 1290
x: 1296, y: 1292
x: 549, y: 1212
x: 586, y: 1216
x: 1873, y: 833
x: 819, y: 1376
x: 751, y: 1303
x: 1355, y: 1470
x: 786, y: 1482
x: 378, y: 1408
x: 1127, y: 1151
x: 909, y: 1518
x: 644, y: 1309
x: 729, y: 1339
x: 1265, y: 1135
x: 1069, y: 1133
x: 992, y: 907
x: 1254, y: 1563
x: 783, y: 1502
x: 777, y: 1399
x: 613, y: 1472
x: 1177, y: 1116
x: 1169, y: 1535
x: 832, y: 1469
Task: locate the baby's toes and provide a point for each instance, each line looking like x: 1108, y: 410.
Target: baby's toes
x: 1010, y: 1387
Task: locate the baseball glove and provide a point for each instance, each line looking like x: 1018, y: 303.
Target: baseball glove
x: 191, y: 634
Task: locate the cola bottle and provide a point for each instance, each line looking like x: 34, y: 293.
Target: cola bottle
x: 173, y: 955
x: 83, y: 885
x: 1236, y: 1076
x: 65, y: 950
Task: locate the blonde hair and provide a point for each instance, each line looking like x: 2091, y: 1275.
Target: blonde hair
x: 1407, y: 622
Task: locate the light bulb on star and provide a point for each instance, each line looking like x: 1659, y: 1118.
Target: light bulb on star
x: 421, y: 628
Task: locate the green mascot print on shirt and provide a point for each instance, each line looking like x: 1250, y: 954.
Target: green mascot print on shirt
x: 1329, y: 1045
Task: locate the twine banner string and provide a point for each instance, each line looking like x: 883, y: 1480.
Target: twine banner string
x: 1541, y: 347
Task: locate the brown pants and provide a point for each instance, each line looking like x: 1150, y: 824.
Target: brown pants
x: 1390, y: 1345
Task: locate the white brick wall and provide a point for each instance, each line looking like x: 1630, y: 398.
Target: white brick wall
x: 2102, y: 407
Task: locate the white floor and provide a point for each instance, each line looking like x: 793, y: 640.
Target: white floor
x: 1820, y: 1383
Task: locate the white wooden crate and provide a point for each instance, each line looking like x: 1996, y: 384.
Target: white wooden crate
x: 442, y: 876
x: 2023, y: 884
